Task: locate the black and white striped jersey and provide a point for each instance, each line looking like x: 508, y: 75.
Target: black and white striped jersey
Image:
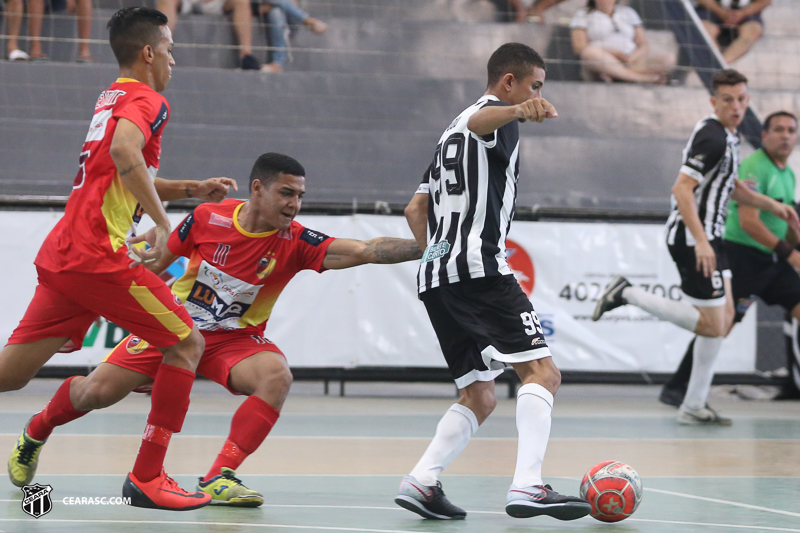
x: 712, y: 158
x: 472, y: 188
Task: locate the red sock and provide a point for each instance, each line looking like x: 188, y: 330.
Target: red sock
x: 168, y: 405
x: 57, y: 412
x: 251, y: 424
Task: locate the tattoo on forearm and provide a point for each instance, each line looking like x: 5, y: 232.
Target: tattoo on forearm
x: 128, y: 170
x: 188, y: 192
x: 388, y: 250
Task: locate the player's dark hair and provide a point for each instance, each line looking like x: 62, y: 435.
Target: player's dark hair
x: 269, y: 166
x: 131, y: 29
x: 728, y: 76
x: 517, y: 58
x: 768, y: 120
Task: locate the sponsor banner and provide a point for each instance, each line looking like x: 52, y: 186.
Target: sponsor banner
x: 371, y: 315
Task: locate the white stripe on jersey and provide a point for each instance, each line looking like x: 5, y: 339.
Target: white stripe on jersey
x: 471, y: 202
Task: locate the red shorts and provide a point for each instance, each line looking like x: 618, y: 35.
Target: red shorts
x: 66, y: 303
x: 223, y: 350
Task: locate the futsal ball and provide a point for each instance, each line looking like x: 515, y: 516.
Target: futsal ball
x: 614, y: 489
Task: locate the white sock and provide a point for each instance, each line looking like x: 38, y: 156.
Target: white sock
x: 452, y: 435
x: 681, y: 314
x: 705, y: 353
x: 534, y: 405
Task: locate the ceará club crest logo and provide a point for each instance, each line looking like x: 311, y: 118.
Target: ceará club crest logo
x: 521, y: 265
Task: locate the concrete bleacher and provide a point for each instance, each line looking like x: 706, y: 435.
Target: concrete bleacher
x: 363, y: 113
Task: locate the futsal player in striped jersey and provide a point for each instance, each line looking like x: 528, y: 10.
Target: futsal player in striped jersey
x: 83, y: 265
x: 241, y: 256
x: 700, y: 196
x: 461, y: 215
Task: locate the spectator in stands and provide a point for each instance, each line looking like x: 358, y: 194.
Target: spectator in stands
x: 14, y: 15
x: 611, y: 43
x: 737, y: 22
x: 83, y: 12
x: 280, y: 14
x: 242, y: 21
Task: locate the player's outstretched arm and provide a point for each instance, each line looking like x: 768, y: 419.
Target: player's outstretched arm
x: 417, y: 217
x: 210, y: 190
x: 346, y: 253
x: 126, y: 151
x: 746, y: 196
x: 490, y: 118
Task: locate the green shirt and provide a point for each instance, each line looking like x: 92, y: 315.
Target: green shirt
x: 760, y: 174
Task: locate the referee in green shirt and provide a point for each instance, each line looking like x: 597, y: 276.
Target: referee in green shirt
x: 760, y: 247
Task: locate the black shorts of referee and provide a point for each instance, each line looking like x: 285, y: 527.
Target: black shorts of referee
x: 757, y: 273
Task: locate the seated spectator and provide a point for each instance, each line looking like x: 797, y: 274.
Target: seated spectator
x: 83, y: 12
x: 14, y: 15
x: 280, y: 15
x: 242, y: 21
x: 611, y: 43
x: 737, y: 22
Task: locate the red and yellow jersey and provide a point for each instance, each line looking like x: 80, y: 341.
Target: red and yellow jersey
x: 101, y: 212
x: 234, y: 277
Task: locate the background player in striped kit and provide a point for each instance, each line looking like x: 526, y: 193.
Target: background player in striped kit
x: 482, y: 318
x: 762, y: 259
x: 705, y: 184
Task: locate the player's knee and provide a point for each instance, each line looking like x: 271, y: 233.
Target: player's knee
x: 188, y: 352
x: 88, y: 395
x: 751, y: 31
x: 274, y: 378
x: 11, y: 383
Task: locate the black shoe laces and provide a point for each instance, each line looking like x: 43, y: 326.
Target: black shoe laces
x: 228, y: 475
x: 26, y: 451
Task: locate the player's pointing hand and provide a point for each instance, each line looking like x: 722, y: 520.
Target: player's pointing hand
x: 215, y: 189
x: 535, y: 109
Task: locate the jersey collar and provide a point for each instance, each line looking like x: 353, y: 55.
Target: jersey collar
x: 244, y: 231
x: 126, y: 80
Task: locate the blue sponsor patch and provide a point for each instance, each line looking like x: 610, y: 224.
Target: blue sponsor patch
x: 161, y: 118
x: 186, y: 226
x: 314, y: 238
x: 435, y: 251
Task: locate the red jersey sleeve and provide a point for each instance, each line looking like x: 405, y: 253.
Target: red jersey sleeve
x: 312, y: 246
x: 149, y: 111
x: 181, y: 240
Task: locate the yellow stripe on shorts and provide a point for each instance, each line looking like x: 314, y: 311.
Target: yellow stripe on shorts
x: 152, y: 305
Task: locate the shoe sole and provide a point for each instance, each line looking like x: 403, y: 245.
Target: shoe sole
x: 598, y: 309
x: 409, y: 503
x: 239, y: 502
x: 140, y: 499
x: 560, y: 511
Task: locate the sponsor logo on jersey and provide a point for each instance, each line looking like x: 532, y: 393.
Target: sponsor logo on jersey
x: 697, y: 161
x: 136, y: 345
x: 314, y: 238
x: 138, y: 213
x: 206, y: 298
x: 163, y: 114
x: 219, y: 220
x: 751, y: 184
x: 521, y: 265
x: 108, y: 98
x: 265, y: 267
x: 186, y: 227
x: 435, y: 251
